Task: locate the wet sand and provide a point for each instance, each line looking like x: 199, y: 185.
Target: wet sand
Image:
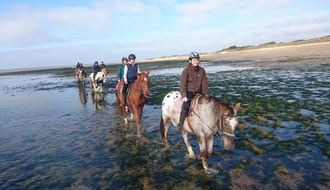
x: 303, y: 54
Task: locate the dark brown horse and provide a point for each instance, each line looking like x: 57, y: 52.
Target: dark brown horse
x: 136, y: 98
x: 211, y: 115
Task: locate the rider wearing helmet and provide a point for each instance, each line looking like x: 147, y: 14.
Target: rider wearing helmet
x: 95, y: 69
x: 120, y: 73
x: 193, y: 80
x: 102, y: 65
x: 130, y: 75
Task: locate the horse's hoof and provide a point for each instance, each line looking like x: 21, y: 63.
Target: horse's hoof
x: 211, y: 171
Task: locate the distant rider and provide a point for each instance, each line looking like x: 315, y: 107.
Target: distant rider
x: 102, y: 65
x: 193, y: 80
x: 95, y: 69
x: 120, y: 73
x: 130, y: 75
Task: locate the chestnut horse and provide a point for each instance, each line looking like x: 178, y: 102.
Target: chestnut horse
x: 210, y: 116
x: 136, y: 98
x: 81, y: 75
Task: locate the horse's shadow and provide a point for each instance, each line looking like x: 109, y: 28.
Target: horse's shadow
x: 98, y: 100
x: 82, y: 94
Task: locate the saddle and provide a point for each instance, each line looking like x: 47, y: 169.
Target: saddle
x: 193, y: 106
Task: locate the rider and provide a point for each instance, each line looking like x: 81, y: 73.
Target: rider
x: 120, y: 73
x: 130, y: 75
x: 102, y: 65
x: 193, y: 80
x: 81, y: 66
x: 77, y: 66
x: 95, y: 69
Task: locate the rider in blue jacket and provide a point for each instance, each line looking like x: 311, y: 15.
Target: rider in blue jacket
x: 130, y: 75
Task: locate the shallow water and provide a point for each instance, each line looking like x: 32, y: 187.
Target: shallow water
x: 58, y: 135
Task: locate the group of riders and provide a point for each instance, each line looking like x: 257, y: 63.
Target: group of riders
x: 193, y: 80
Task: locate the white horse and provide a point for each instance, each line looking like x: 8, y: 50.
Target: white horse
x: 211, y: 115
x: 99, y: 80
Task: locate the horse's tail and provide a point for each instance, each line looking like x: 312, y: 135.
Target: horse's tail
x: 161, y: 126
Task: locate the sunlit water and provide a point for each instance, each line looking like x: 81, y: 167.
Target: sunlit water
x: 58, y: 135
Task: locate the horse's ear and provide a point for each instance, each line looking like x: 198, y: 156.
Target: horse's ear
x: 139, y: 74
x: 237, y: 107
x: 148, y: 72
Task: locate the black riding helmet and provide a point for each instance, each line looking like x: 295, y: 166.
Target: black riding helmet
x: 131, y: 56
x: 96, y: 62
x: 193, y: 55
x: 124, y: 58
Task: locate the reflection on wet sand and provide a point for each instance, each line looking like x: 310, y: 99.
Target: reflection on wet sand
x: 82, y: 94
x: 98, y: 100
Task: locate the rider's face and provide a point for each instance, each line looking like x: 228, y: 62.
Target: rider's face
x: 194, y: 61
x: 132, y: 61
x: 124, y: 62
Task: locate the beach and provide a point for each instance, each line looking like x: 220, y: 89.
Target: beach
x: 301, y: 54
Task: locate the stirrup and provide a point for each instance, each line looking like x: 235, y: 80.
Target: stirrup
x: 178, y: 127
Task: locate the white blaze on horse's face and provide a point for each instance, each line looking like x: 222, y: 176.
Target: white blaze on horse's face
x: 145, y: 79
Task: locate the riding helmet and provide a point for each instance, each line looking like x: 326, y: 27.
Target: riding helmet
x: 193, y: 55
x: 124, y: 58
x: 131, y: 56
x: 96, y: 62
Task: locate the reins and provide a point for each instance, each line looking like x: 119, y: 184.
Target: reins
x: 141, y: 90
x: 221, y: 131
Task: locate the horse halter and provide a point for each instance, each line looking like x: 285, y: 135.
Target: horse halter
x: 221, y: 131
x: 141, y: 90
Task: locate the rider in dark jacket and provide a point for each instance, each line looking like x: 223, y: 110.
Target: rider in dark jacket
x: 130, y: 75
x: 95, y: 69
x: 193, y: 80
x: 102, y: 65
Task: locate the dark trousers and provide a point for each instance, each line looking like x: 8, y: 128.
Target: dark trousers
x: 126, y: 86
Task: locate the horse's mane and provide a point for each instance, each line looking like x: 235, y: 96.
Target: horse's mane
x: 216, y: 105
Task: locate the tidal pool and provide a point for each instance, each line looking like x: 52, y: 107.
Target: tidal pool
x: 56, y: 134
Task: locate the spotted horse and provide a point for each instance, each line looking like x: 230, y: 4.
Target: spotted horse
x: 211, y: 115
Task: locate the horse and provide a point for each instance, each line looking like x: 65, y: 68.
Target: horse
x: 81, y: 75
x: 99, y: 79
x: 210, y: 115
x: 136, y: 98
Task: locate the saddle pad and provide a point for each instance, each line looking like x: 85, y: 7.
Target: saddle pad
x: 178, y: 105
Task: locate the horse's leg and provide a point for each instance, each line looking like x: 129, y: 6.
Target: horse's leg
x: 124, y: 112
x: 186, y: 140
x: 138, y: 120
x: 203, y: 152
x: 101, y: 88
x: 209, y: 146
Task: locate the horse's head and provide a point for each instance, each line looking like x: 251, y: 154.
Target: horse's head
x: 228, y: 123
x: 143, y: 82
x: 105, y: 71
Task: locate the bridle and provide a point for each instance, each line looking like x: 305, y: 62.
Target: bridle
x: 141, y: 90
x: 221, y: 131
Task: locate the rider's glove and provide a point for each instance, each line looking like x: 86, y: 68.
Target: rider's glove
x: 185, y: 99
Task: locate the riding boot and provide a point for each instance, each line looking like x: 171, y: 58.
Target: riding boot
x: 183, y: 115
x: 124, y: 100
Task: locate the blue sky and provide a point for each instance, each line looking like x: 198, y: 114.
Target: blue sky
x: 42, y: 33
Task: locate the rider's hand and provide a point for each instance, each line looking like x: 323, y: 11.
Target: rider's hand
x: 118, y: 81
x: 185, y: 99
x: 126, y: 82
